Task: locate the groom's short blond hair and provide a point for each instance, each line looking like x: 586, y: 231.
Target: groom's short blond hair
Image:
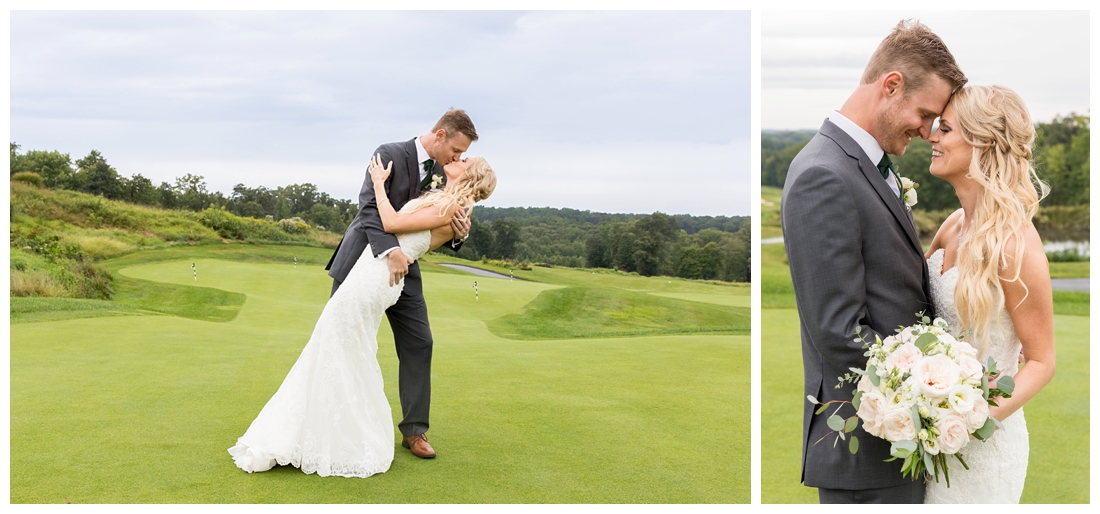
x: 917, y: 52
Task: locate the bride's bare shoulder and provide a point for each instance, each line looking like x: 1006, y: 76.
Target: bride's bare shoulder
x: 948, y: 231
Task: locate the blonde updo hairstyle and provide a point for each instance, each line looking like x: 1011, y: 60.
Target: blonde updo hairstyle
x: 475, y: 185
x: 994, y: 121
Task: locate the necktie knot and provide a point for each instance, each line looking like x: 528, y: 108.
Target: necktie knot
x: 884, y: 166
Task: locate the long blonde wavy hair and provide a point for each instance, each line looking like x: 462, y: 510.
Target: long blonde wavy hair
x: 994, y: 121
x: 476, y: 184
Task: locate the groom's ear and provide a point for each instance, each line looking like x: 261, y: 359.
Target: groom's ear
x: 892, y: 84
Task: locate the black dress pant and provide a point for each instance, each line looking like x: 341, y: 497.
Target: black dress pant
x: 912, y: 492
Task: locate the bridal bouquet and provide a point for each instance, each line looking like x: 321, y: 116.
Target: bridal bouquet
x: 925, y: 392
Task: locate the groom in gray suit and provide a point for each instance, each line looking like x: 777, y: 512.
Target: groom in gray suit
x: 853, y: 250
x: 417, y: 165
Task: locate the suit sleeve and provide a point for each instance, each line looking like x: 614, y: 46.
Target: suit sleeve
x: 822, y: 233
x: 368, y: 207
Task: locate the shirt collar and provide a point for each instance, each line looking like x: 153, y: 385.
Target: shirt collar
x: 421, y: 153
x: 865, y: 141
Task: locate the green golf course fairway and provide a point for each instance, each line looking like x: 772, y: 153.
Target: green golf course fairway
x: 141, y: 406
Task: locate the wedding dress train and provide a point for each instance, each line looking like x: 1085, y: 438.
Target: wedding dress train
x: 330, y: 416
x: 998, y: 466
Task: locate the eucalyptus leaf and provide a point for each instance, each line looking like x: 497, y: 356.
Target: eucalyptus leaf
x: 916, y: 417
x: 853, y: 445
x: 812, y: 399
x: 926, y: 340
x: 1006, y: 384
x: 851, y: 423
x: 928, y: 462
x: 907, y: 444
x: 872, y: 373
x: 821, y: 409
x: 990, y: 364
x: 987, y: 430
x: 985, y: 387
x: 835, y: 422
x: 856, y: 399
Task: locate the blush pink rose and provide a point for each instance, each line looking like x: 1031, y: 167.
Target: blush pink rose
x: 904, y: 357
x: 864, y: 384
x: 978, y: 414
x: 898, y: 423
x: 936, y: 375
x: 954, y: 434
x: 971, y: 368
x: 872, y: 406
x: 964, y: 348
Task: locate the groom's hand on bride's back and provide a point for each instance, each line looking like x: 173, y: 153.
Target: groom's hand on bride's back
x: 399, y: 265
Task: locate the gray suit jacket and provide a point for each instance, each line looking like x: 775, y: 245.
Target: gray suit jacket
x: 855, y: 260
x: 402, y: 186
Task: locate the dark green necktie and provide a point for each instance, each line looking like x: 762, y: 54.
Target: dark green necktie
x: 428, y: 165
x: 884, y: 166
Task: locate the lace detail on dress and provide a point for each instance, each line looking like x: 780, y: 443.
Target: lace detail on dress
x: 330, y: 416
x: 998, y: 466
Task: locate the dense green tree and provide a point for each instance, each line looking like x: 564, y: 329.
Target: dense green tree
x: 505, y: 238
x: 95, y: 176
x: 54, y: 167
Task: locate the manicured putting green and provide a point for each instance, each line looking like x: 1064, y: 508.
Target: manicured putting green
x: 142, y: 408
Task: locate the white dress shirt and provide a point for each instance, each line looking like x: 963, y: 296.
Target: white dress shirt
x: 868, y: 143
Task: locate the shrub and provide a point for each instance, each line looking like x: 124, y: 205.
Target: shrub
x: 29, y: 177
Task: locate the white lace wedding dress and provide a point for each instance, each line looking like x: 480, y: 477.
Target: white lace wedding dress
x: 330, y: 416
x: 998, y: 466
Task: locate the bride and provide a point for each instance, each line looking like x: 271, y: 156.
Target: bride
x: 330, y: 416
x: 989, y: 276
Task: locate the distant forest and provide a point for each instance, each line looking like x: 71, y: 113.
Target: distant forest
x: 702, y: 247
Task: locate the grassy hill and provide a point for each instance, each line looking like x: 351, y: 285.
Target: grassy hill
x: 59, y: 238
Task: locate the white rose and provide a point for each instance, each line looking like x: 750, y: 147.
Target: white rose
x: 954, y: 434
x: 906, y: 183
x: 978, y: 415
x: 931, y: 446
x: 936, y: 375
x: 898, y: 423
x: 961, y: 398
x: 904, y: 357
x: 872, y: 405
x: 911, y: 197
x: 971, y: 368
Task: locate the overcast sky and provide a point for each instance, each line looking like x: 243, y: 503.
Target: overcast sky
x: 605, y: 111
x: 811, y: 61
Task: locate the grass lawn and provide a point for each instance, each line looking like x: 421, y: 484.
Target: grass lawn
x: 1058, y: 418
x: 141, y: 408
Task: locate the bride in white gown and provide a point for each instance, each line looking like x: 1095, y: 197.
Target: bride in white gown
x: 330, y: 416
x: 990, y: 279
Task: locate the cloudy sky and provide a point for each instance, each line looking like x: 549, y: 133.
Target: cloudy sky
x: 605, y: 111
x: 811, y: 61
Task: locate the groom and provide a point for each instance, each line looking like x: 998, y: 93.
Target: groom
x: 853, y: 250
x: 417, y: 164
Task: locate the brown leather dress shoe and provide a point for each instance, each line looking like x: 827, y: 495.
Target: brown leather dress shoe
x: 419, y: 445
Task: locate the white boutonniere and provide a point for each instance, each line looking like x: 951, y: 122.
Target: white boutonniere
x: 437, y: 181
x: 908, y: 192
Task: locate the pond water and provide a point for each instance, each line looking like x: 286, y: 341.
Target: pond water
x: 1082, y: 247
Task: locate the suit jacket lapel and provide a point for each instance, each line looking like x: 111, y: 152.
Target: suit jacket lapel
x: 874, y: 177
x: 413, y: 167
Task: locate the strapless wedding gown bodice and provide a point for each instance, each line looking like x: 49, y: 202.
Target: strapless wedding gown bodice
x: 998, y: 466
x: 330, y: 416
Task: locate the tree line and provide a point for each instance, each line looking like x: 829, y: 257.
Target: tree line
x: 704, y: 247
x: 1060, y: 157
x: 94, y: 175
